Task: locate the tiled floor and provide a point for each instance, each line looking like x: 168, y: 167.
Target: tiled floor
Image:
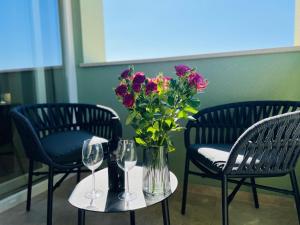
x: 201, y: 210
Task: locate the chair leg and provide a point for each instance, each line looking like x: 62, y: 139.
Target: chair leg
x: 29, y: 185
x: 296, y: 192
x: 185, y: 184
x: 224, y: 200
x: 50, y: 195
x: 78, y: 175
x: 132, y: 218
x: 254, y: 191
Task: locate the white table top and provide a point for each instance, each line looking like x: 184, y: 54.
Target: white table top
x: 109, y: 201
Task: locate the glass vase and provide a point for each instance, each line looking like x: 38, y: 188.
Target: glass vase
x: 156, y: 176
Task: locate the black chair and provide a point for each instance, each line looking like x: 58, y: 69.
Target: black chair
x: 244, y: 140
x: 53, y: 134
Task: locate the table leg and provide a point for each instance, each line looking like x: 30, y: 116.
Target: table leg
x: 165, y: 212
x: 167, y: 204
x: 81, y: 216
x: 132, y: 218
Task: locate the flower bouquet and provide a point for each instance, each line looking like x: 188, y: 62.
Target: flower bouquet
x: 156, y: 106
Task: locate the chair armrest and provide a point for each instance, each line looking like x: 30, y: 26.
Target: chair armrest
x: 270, y: 147
x: 223, y: 124
x: 29, y: 138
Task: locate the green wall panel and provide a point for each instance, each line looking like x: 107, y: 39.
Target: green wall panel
x: 231, y: 79
x: 238, y: 78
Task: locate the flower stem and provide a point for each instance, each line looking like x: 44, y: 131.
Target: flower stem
x: 127, y: 183
x: 94, y: 185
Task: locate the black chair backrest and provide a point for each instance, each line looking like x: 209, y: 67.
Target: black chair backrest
x: 34, y: 122
x: 268, y: 148
x: 223, y: 124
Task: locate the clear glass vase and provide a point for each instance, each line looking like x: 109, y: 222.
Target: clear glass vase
x: 156, y: 176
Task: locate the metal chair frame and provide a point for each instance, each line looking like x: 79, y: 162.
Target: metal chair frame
x: 37, y: 121
x: 266, y: 133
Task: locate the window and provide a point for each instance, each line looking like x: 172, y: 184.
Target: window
x: 30, y: 40
x: 151, y: 29
x: 30, y: 34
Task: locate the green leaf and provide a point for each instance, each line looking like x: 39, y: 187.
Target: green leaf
x: 194, y: 102
x: 156, y: 125
x: 157, y: 115
x: 165, y: 104
x: 190, y: 109
x: 154, y: 137
x: 130, y: 117
x: 182, y: 115
x: 148, y: 109
x: 171, y: 100
x: 191, y: 118
x: 159, y: 88
x: 168, y: 122
x: 173, y: 83
x: 142, y: 105
x: 138, y: 131
x: 151, y: 129
x: 140, y: 141
x: 169, y: 111
x: 171, y: 147
x: 178, y: 129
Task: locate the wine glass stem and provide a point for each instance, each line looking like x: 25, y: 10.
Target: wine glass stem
x: 127, y: 183
x: 94, y: 186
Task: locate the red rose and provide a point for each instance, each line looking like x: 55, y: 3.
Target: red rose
x: 121, y: 90
x: 151, y: 87
x: 128, y: 100
x: 138, y: 78
x: 125, y: 74
x: 136, y: 87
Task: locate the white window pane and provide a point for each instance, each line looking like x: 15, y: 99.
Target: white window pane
x: 18, y: 23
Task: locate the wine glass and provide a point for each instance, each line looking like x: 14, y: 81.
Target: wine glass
x: 92, y: 157
x: 126, y: 159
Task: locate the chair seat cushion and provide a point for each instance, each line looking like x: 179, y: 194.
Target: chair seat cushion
x: 65, y: 147
x: 213, y: 157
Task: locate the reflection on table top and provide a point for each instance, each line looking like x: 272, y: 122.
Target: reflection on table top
x: 109, y: 201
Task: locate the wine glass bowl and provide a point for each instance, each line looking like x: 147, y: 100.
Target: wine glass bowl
x: 92, y: 158
x: 126, y: 160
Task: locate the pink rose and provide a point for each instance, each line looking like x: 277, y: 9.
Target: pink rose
x: 181, y: 70
x: 163, y: 80
x: 197, y: 80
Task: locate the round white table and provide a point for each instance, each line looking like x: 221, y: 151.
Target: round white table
x: 109, y: 202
